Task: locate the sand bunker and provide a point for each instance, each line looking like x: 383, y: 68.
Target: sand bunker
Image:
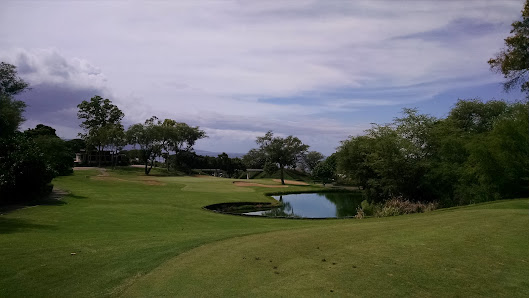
x: 291, y: 182
x: 242, y: 183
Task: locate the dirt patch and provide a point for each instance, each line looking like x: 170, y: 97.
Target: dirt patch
x: 242, y: 183
x: 291, y: 182
x: 202, y: 176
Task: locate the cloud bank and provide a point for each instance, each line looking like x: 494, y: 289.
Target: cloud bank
x: 321, y: 70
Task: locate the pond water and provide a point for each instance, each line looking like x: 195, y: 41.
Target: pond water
x: 315, y: 205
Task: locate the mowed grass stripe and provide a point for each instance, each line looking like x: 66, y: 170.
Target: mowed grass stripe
x: 471, y: 251
x: 132, y: 237
x: 118, y: 227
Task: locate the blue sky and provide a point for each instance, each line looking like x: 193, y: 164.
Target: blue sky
x: 319, y: 70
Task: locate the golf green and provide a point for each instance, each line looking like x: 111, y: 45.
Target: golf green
x: 123, y: 233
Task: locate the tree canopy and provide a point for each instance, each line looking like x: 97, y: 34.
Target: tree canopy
x: 513, y: 60
x: 281, y: 151
x: 155, y: 136
x: 101, y: 118
x: 25, y: 170
x: 479, y: 152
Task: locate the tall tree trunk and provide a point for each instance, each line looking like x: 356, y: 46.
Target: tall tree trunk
x: 282, y: 174
x: 152, y: 164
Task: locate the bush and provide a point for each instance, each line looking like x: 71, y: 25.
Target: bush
x: 24, y: 173
x: 393, y: 207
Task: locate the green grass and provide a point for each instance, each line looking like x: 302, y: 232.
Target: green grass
x: 149, y: 236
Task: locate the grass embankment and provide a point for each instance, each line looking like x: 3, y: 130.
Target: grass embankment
x: 148, y: 236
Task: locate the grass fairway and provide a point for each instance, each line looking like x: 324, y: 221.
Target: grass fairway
x: 148, y: 236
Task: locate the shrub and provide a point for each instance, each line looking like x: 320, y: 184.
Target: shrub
x: 24, y: 173
x: 393, y: 207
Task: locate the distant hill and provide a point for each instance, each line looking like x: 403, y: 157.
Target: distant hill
x: 215, y: 154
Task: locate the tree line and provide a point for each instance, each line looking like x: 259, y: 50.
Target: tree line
x: 479, y: 152
x: 29, y: 160
x: 153, y: 139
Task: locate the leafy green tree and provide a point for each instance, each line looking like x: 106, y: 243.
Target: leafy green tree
x: 10, y: 115
x: 324, y: 172
x: 311, y: 159
x: 178, y: 136
x: 390, y: 159
x: 513, y: 60
x: 10, y: 109
x: 254, y: 159
x: 156, y: 137
x: 76, y: 145
x: 99, y: 115
x: 10, y: 83
x: 24, y: 172
x: 231, y: 166
x: 148, y: 137
x: 282, y: 151
x: 56, y: 152
x: 114, y: 134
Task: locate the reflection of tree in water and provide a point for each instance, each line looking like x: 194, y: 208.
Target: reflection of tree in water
x: 285, y: 210
x: 346, y: 203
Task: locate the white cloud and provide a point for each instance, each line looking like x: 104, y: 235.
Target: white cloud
x: 201, y: 61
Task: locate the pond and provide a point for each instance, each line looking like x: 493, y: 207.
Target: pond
x: 314, y: 205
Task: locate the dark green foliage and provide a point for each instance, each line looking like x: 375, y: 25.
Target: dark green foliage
x: 10, y: 114
x: 56, y: 152
x: 24, y: 172
x: 254, y: 159
x: 513, y: 61
x: 480, y: 152
x: 147, y: 136
x: 270, y: 168
x: 281, y: 151
x: 102, y: 120
x: 324, y: 171
x: 10, y: 83
x: 156, y: 138
x: 76, y: 145
x: 232, y: 166
x: 311, y: 160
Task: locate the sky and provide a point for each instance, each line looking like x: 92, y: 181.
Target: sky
x: 318, y: 70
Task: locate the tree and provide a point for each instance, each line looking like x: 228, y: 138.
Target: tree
x: 312, y: 159
x: 10, y: 114
x: 178, y: 136
x: 56, y: 152
x: 513, y: 61
x: 24, y: 171
x: 323, y: 171
x: 114, y: 135
x: 10, y: 82
x: 99, y: 115
x: 10, y: 109
x: 147, y: 136
x: 254, y: 159
x: 282, y: 151
x: 155, y: 136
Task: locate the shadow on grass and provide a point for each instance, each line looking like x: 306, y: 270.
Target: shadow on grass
x: 53, y: 199
x: 13, y: 225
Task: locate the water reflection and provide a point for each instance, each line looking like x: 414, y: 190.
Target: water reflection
x: 315, y: 205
